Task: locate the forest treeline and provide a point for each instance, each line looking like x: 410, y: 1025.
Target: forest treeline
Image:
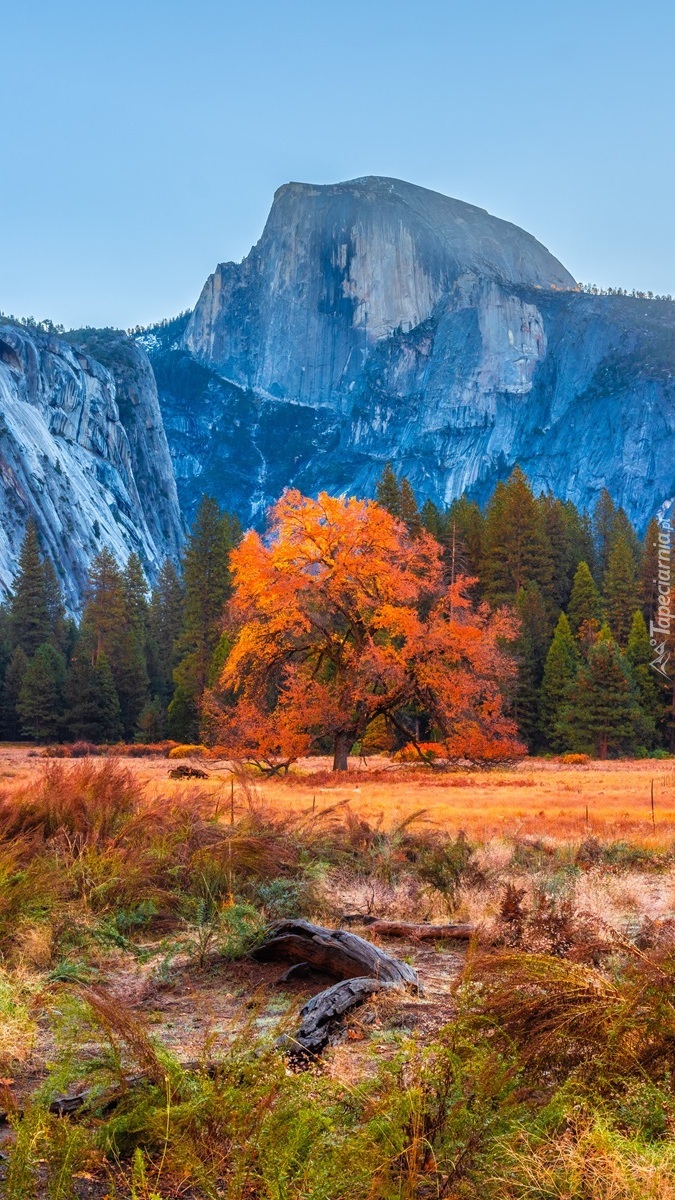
x: 143, y: 665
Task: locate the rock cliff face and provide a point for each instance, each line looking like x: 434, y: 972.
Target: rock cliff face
x: 379, y: 321
x: 337, y: 270
x: 83, y: 452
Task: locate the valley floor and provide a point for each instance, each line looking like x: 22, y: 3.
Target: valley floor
x: 131, y: 964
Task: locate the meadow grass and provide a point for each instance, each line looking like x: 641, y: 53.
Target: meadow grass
x: 546, y: 1073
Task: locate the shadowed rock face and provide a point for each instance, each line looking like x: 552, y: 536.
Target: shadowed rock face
x: 83, y: 452
x: 378, y: 321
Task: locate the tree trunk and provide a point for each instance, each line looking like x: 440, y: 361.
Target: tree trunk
x: 342, y: 746
x: 361, y: 967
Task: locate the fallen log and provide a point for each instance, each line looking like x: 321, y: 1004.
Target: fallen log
x: 339, y: 953
x: 322, y: 1013
x: 410, y: 929
x: 185, y: 772
x: 69, y: 1103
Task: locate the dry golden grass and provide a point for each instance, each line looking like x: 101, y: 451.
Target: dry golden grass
x: 537, y: 798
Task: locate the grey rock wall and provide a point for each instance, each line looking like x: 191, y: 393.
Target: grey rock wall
x: 69, y: 461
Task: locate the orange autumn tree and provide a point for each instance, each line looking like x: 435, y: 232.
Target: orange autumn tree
x: 341, y: 617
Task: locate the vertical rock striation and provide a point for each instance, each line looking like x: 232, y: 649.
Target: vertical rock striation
x: 68, y: 461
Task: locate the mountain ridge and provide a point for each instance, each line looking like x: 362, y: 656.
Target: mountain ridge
x: 372, y: 321
x: 452, y: 362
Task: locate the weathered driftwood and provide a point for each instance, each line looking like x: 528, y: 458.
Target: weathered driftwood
x: 322, y: 1013
x: 339, y: 953
x: 410, y: 929
x: 361, y: 967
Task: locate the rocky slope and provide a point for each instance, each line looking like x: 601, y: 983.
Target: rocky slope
x: 83, y: 452
x: 375, y: 320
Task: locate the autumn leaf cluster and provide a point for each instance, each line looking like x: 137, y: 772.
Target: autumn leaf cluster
x: 339, y: 616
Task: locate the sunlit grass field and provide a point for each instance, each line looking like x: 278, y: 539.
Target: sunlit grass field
x: 537, y: 797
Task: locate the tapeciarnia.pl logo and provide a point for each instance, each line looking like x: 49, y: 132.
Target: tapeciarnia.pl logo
x: 659, y: 626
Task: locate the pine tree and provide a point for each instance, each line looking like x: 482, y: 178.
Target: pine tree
x: 130, y: 674
x: 130, y: 670
x: 558, y: 526
x: 207, y: 582
x: 60, y: 627
x: 220, y: 657
x: 584, y: 610
x: 516, y: 550
x: 111, y: 722
x: 220, y: 697
x: 152, y: 722
x: 410, y: 513
x: 560, y: 671
x: 388, y: 491
x: 5, y: 651
x: 11, y: 690
x: 621, y: 589
x: 135, y: 589
x: 183, y: 713
x: 580, y: 528
x: 639, y: 655
x: 604, y: 531
x: 465, y: 527
x: 165, y: 626
x: 41, y: 697
x: 529, y: 650
x: 29, y: 611
x: 105, y: 608
x: 116, y: 617
x: 649, y: 571
x: 92, y: 704
x: 624, y: 528
x: 432, y: 519
x: 602, y: 713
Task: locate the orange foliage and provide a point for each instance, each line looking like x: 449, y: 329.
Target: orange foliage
x: 341, y: 617
x: 429, y: 750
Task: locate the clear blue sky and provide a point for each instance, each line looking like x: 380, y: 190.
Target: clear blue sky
x: 142, y: 140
